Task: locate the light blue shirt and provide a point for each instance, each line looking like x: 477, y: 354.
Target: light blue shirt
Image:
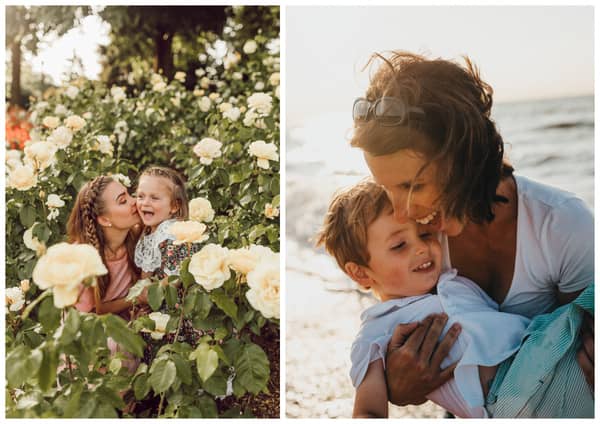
x: 487, y: 338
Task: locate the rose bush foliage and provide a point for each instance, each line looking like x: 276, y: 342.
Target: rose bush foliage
x: 58, y: 363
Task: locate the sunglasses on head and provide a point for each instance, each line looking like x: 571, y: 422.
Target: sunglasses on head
x: 387, y: 111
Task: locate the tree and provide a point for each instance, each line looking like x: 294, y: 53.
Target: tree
x: 148, y: 33
x: 26, y: 26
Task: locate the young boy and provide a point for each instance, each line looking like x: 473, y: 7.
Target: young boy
x: 403, y: 266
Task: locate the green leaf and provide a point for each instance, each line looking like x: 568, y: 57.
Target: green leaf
x: 184, y: 371
x: 137, y: 289
x: 216, y: 385
x: 42, y: 232
x: 22, y: 364
x: 117, y: 329
x: 48, y: 315
x: 186, y: 277
x: 141, y: 386
x: 221, y: 354
x: 206, y: 359
x: 252, y: 368
x: 47, y: 374
x: 163, y: 375
x: 27, y: 216
x: 70, y: 328
x: 208, y: 406
x: 171, y: 295
x: 224, y: 302
x: 156, y: 295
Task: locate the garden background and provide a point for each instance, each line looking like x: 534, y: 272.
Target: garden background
x: 192, y: 88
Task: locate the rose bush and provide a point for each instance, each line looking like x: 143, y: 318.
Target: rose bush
x: 58, y: 361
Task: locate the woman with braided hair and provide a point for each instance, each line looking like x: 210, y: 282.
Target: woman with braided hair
x: 105, y: 216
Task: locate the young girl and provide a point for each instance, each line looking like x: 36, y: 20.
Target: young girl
x: 161, y: 201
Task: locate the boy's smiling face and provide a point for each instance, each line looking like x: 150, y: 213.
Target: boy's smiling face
x: 405, y: 260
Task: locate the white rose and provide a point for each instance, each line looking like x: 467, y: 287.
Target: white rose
x: 13, y: 158
x: 237, y: 76
x: 214, y: 96
x: 64, y: 267
x: 204, y: 104
x: 15, y: 298
x: 259, y: 86
x: 160, y: 87
x: 40, y: 154
x: 264, y: 152
x: 264, y: 288
x: 40, y: 106
x: 51, y: 122
x: 22, y: 177
x: 60, y: 110
x: 61, y: 136
x: 32, y: 242
x: 274, y: 79
x: 250, y: 117
x: 250, y: 47
x: 54, y: 201
x: 75, y: 122
x: 202, y: 57
x: 160, y: 325
x: 224, y: 107
x: 232, y: 114
x: 118, y: 93
x: 72, y: 91
x: 207, y: 150
x: 180, y: 76
x: 245, y: 259
x: 271, y: 211
x: 122, y: 179
x: 261, y: 102
x: 87, y: 116
x: 204, y: 82
x: 188, y: 232
x: 104, y: 145
x: 201, y: 210
x: 209, y: 266
x: 199, y: 72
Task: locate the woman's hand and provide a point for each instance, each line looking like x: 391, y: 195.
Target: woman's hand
x: 414, y: 358
x: 585, y: 356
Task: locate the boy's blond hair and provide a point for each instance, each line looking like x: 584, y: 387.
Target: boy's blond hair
x: 344, y: 230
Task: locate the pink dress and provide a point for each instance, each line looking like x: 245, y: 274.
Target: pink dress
x: 120, y: 281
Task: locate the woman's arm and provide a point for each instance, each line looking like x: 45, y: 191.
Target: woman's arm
x: 371, y: 399
x: 414, y: 359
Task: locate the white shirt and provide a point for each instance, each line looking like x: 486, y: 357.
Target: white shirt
x: 487, y: 338
x: 555, y: 248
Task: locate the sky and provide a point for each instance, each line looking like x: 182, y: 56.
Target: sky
x: 523, y: 52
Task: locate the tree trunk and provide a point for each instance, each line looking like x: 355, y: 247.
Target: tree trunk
x: 15, y: 85
x: 163, y: 57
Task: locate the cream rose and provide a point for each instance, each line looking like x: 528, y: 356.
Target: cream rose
x: 51, y: 122
x: 60, y: 110
x: 261, y: 103
x: 123, y: 179
x: 250, y: 47
x: 117, y: 93
x: 232, y: 114
x: 245, y: 259
x: 259, y: 86
x: 274, y: 79
x: 22, y: 177
x: 214, y: 96
x: 188, y: 232
x: 271, y: 211
x: 72, y: 91
x: 40, y: 154
x: 160, y: 325
x: 61, y: 137
x: 204, y: 103
x: 264, y: 288
x: 64, y: 267
x: 180, y: 76
x: 199, y: 72
x: 209, y: 266
x: 32, y: 242
x: 160, y: 87
x: 204, y: 82
x: 104, y: 145
x: 15, y: 298
x: 201, y: 210
x: 207, y: 150
x: 13, y: 158
x: 75, y: 122
x: 25, y: 285
x: 264, y: 152
x: 155, y: 79
x: 231, y: 60
x: 54, y: 201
